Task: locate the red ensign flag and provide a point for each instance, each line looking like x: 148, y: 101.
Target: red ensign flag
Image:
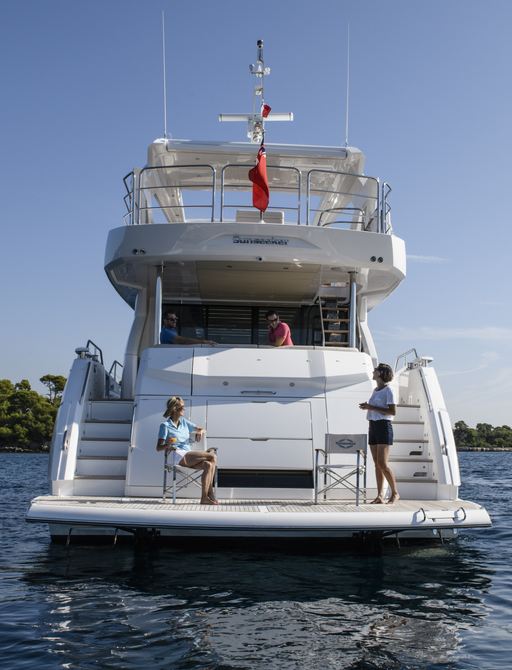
x: 258, y: 176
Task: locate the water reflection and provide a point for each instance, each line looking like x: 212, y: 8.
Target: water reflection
x: 177, y: 609
x: 424, y: 608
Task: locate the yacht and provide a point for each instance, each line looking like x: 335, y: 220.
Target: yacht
x: 293, y: 460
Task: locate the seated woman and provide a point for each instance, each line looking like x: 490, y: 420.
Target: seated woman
x: 174, y: 436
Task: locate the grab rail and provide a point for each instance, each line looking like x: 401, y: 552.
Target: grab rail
x: 174, y: 190
x: 404, y: 356
x: 113, y: 370
x: 247, y: 184
x: 350, y: 195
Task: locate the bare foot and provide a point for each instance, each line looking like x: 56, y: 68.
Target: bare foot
x: 207, y: 501
x: 394, y: 498
x: 378, y: 501
x: 214, y: 500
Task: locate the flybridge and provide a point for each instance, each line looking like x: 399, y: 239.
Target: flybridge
x: 316, y: 186
x: 207, y: 181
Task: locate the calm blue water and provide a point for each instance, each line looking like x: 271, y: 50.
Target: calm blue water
x: 443, y: 607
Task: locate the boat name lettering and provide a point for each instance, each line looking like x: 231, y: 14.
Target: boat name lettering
x: 243, y: 239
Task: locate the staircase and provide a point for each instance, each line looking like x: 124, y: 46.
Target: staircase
x: 410, y: 457
x: 335, y: 322
x: 103, y: 448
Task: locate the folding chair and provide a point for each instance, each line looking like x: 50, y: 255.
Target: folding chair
x: 330, y: 473
x: 181, y: 477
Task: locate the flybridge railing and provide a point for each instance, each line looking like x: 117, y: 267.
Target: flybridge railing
x: 181, y: 193
x: 284, y: 184
x: 360, y: 208
x: 154, y: 192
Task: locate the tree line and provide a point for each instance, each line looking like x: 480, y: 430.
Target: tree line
x: 27, y: 419
x: 483, y: 437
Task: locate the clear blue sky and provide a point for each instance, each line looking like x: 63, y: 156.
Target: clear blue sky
x: 431, y: 107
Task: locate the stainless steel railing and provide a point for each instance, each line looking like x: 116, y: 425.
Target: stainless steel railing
x: 179, y: 193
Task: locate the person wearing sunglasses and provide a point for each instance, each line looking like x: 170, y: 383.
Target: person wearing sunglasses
x: 169, y: 332
x: 381, y: 408
x: 175, y: 435
x: 278, y: 332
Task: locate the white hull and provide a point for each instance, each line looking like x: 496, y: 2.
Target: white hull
x: 259, y: 519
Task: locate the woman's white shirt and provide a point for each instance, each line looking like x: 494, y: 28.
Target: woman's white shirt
x: 381, y: 398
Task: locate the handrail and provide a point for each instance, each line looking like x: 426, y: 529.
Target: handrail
x: 96, y: 351
x: 376, y: 197
x: 404, y: 356
x: 341, y: 209
x: 86, y: 381
x: 142, y: 188
x: 386, y: 208
x: 369, y: 199
x: 249, y: 185
x: 113, y: 370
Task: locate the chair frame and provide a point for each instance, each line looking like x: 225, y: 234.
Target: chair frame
x: 190, y: 476
x: 358, y: 447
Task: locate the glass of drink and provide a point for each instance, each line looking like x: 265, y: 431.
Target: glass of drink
x: 170, y: 443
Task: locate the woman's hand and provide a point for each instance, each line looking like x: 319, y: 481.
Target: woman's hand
x: 364, y: 405
x: 199, y: 434
x: 170, y: 444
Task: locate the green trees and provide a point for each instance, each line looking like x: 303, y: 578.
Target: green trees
x: 484, y: 436
x: 26, y: 417
x: 55, y: 384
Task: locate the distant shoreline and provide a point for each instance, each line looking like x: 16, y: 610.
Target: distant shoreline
x: 484, y: 448
x: 18, y: 450
x: 43, y: 450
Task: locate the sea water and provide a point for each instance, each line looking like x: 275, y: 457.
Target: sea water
x: 442, y: 606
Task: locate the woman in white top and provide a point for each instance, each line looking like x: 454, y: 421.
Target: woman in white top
x: 381, y: 408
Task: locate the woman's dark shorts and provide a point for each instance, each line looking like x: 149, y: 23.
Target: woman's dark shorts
x: 380, y: 432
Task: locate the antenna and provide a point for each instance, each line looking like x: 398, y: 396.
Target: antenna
x: 260, y: 111
x: 348, y: 86
x: 164, y: 75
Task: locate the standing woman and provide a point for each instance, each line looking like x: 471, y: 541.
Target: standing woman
x: 381, y: 408
x: 174, y: 435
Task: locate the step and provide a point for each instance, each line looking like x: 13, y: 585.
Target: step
x: 415, y: 470
x: 99, y: 486
x: 113, y: 430
x: 106, y: 410
x: 408, y: 413
x: 103, y: 467
x: 415, y: 480
x: 409, y: 459
x: 409, y: 449
x: 410, y: 431
x: 100, y: 447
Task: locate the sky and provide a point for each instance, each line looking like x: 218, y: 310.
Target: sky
x: 430, y: 106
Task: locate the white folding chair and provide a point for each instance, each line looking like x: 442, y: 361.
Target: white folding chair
x: 181, y: 477
x: 331, y: 473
